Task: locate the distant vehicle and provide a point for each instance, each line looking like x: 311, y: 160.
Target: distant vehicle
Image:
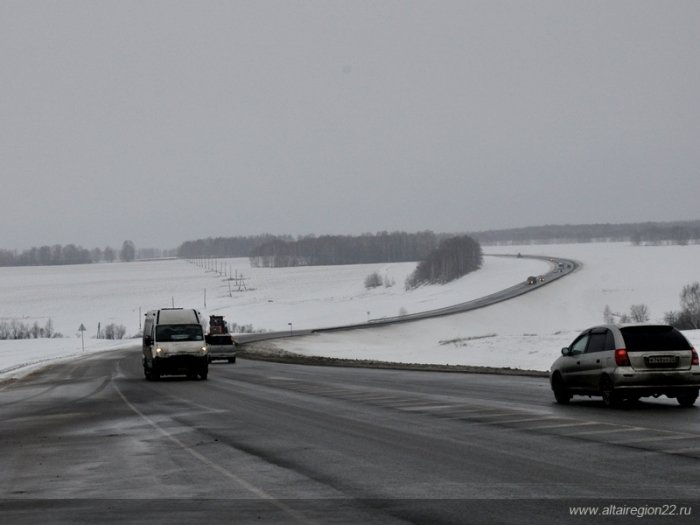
x: 532, y: 280
x: 540, y: 278
x: 220, y: 342
x: 173, y: 343
x: 627, y: 362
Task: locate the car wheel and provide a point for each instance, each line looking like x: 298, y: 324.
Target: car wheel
x: 561, y: 393
x: 687, y: 400
x: 610, y: 397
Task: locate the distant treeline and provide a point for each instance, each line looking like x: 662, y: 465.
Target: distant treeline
x: 46, y: 255
x: 226, y: 246
x: 71, y: 254
x: 344, y: 249
x: 636, y: 233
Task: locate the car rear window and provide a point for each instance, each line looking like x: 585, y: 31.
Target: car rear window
x: 653, y: 338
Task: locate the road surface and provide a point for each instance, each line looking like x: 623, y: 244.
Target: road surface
x: 92, y: 441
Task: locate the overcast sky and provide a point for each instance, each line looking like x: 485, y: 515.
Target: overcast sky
x: 165, y: 121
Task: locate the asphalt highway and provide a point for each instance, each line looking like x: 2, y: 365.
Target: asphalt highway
x: 91, y: 441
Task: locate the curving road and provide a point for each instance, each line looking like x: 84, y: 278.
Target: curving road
x: 559, y: 268
x: 92, y: 441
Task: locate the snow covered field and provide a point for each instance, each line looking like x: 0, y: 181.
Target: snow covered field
x: 526, y: 332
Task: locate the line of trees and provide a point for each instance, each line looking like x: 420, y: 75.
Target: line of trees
x: 226, y: 246
x: 656, y: 233
x: 19, y: 330
x: 111, y: 331
x: 453, y: 258
x: 69, y: 254
x: 639, y: 313
x: 46, y: 256
x: 344, y: 249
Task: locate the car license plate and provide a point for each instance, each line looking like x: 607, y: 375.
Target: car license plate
x: 661, y: 360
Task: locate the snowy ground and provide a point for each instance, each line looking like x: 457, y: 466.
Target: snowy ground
x: 526, y: 332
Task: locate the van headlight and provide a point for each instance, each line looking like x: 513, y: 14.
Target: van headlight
x: 160, y: 352
x: 204, y: 350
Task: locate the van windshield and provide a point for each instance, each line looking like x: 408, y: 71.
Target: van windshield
x: 653, y: 338
x: 179, y: 332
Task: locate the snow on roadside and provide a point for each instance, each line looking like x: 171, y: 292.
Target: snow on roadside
x: 527, y: 332
x: 21, y: 357
x: 309, y: 297
x: 418, y: 343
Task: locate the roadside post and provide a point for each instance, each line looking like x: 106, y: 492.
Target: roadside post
x: 82, y: 335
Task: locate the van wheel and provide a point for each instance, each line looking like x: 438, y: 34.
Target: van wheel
x: 203, y: 375
x: 561, y: 393
x: 231, y: 359
x: 610, y: 397
x: 687, y: 400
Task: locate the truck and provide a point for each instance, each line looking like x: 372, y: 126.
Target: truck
x: 220, y: 342
x: 174, y: 344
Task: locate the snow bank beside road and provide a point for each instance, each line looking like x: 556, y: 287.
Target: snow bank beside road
x: 18, y: 358
x: 419, y: 342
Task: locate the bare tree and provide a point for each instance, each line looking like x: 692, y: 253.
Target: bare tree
x: 128, y: 251
x: 114, y: 331
x: 608, y: 316
x: 109, y: 254
x: 689, y: 316
x: 690, y: 304
x: 639, y: 313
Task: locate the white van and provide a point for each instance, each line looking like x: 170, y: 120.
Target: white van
x: 173, y: 343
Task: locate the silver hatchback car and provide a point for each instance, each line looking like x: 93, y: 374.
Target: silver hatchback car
x: 627, y: 362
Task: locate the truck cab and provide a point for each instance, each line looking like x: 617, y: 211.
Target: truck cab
x: 220, y: 342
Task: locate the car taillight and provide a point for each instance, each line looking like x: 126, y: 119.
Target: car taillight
x: 621, y: 357
x: 694, y: 360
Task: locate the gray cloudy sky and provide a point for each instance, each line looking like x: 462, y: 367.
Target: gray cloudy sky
x: 163, y: 121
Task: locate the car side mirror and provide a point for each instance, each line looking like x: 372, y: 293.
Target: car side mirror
x: 565, y: 351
